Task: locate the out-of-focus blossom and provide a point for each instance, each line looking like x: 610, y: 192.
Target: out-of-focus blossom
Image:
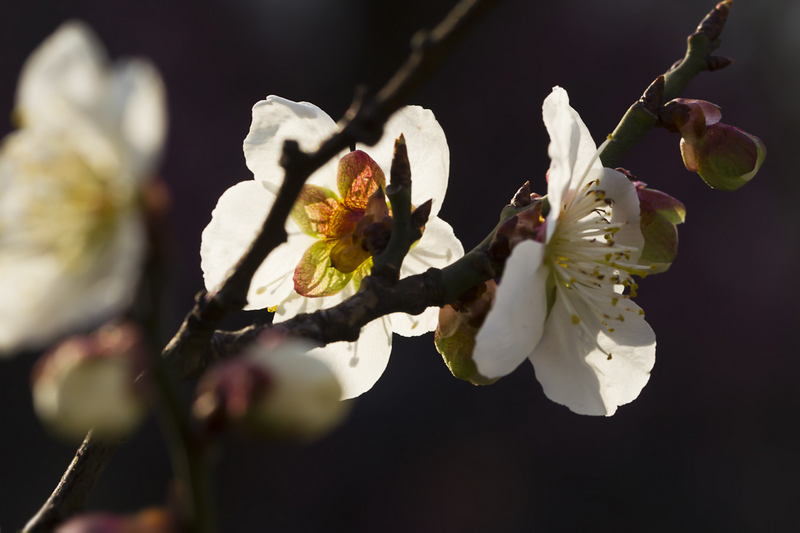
x: 724, y: 156
x: 323, y: 262
x: 87, y: 383
x: 560, y: 301
x: 275, y: 390
x: 147, y: 521
x: 72, y: 240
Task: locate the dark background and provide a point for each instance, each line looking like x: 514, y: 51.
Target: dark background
x: 712, y: 442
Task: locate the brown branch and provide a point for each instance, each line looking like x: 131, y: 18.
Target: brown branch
x: 70, y: 495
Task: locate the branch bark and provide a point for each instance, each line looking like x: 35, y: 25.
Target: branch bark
x: 76, y: 483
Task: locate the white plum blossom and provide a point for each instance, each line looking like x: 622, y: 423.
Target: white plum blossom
x: 317, y: 267
x: 72, y: 239
x: 562, y: 301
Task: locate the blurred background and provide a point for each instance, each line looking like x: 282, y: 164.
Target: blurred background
x: 712, y: 443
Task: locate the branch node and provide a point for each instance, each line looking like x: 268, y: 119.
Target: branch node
x: 421, y: 215
x: 718, y: 62
x: 522, y: 198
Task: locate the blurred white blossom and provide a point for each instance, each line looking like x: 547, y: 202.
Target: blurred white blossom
x: 72, y: 240
x: 311, y: 271
x: 274, y: 390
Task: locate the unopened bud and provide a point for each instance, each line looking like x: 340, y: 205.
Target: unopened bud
x: 724, y: 156
x: 275, y: 390
x: 455, y: 333
x: 660, y: 214
x: 87, y: 382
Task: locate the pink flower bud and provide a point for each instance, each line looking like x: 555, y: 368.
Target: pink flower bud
x: 147, y: 521
x: 87, y: 382
x: 274, y: 390
x: 725, y: 157
x: 660, y: 215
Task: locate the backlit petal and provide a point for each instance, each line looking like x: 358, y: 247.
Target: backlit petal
x: 428, y: 153
x: 572, y: 360
x: 63, y: 78
x: 358, y: 365
x: 571, y: 151
x: 437, y: 248
x: 515, y: 323
x: 239, y: 214
x: 276, y: 120
x: 138, y: 113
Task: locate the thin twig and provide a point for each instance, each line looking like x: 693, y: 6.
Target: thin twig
x: 642, y: 116
x: 76, y: 483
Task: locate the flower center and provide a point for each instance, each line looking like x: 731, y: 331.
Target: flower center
x: 347, y: 226
x: 56, y: 203
x: 588, y: 262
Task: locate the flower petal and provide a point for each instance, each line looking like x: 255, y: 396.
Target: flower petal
x: 358, y: 365
x: 43, y: 300
x: 62, y: 78
x: 276, y: 120
x: 624, y: 208
x: 575, y: 372
x: 235, y: 221
x: 295, y: 304
x: 516, y: 321
x: 428, y: 153
x: 571, y: 151
x: 138, y: 113
x: 437, y: 248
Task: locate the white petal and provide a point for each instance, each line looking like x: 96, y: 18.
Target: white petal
x: 295, y: 304
x: 138, y: 114
x: 415, y: 325
x: 571, y: 151
x: 62, y: 78
x: 428, y: 153
x: 358, y: 365
x: 239, y: 215
x: 276, y: 120
x: 43, y: 300
x: 625, y: 208
x: 515, y: 323
x: 437, y: 248
x: 574, y: 372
